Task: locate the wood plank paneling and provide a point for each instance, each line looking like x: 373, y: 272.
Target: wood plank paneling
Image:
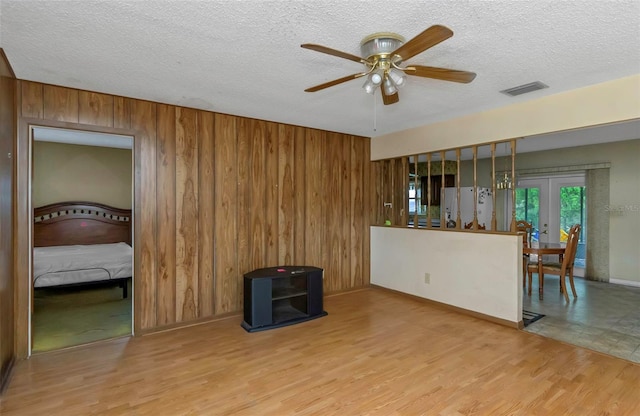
x: 244, y: 196
x: 95, y: 109
x: 286, y: 196
x: 357, y: 192
x: 258, y: 194
x: 400, y: 181
x: 376, y: 197
x: 32, y: 99
x: 313, y: 199
x: 166, y: 214
x: 299, y: 185
x: 387, y: 190
x: 367, y: 208
x: 217, y: 196
x: 345, y: 277
x: 143, y: 119
x: 206, y: 213
x: 60, y: 104
x: 332, y: 224
x: 271, y: 195
x: 227, y: 296
x: 186, y: 215
x: 121, y: 112
x: 7, y: 134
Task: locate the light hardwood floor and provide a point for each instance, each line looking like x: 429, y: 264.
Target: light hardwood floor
x: 376, y: 353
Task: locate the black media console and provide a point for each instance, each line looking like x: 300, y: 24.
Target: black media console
x: 280, y: 296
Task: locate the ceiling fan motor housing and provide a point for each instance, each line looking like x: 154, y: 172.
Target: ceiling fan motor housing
x: 380, y: 45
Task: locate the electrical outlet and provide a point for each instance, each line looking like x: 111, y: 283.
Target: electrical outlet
x: 427, y: 278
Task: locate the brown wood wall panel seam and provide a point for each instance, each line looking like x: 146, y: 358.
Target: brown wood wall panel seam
x: 244, y: 193
x: 227, y: 297
x: 206, y: 213
x: 258, y: 194
x: 186, y: 215
x: 332, y: 224
x: 368, y: 187
x: 271, y: 195
x: 314, y: 200
x: 166, y: 215
x: 358, y: 198
x: 286, y: 197
x: 143, y: 120
x: 346, y: 278
x: 299, y: 195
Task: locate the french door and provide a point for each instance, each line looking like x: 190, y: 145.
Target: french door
x: 552, y: 204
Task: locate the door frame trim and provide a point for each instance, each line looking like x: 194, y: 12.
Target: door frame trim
x: 23, y: 220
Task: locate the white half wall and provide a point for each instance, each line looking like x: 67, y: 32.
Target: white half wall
x: 474, y: 271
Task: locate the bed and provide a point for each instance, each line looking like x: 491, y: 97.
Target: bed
x: 81, y: 244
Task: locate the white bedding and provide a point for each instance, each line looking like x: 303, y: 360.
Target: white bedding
x: 61, y: 265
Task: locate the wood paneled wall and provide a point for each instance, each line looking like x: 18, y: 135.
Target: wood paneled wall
x: 7, y: 134
x: 218, y: 195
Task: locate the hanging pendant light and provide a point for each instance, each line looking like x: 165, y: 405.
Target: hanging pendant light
x: 506, y: 181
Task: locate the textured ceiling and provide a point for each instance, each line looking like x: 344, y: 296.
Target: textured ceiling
x: 244, y: 57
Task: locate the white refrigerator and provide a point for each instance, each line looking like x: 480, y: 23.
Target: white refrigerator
x: 484, y: 205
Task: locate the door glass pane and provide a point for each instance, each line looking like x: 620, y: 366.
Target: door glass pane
x: 572, y: 211
x: 528, y: 208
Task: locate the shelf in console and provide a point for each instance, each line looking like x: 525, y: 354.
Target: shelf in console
x: 287, y: 292
x: 283, y: 312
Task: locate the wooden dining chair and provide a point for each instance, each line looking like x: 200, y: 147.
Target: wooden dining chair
x: 470, y: 226
x: 563, y: 268
x: 526, y: 230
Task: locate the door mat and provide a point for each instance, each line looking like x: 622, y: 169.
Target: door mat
x: 530, y: 317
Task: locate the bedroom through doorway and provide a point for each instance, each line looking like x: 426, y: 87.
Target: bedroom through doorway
x: 82, y: 200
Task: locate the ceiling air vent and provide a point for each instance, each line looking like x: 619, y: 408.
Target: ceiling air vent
x: 523, y: 89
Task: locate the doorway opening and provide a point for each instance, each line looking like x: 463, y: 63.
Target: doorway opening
x: 552, y: 205
x: 81, y: 198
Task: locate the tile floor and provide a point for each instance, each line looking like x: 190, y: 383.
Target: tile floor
x: 605, y: 317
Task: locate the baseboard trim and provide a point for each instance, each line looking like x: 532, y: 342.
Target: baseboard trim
x: 625, y: 282
x: 209, y: 319
x: 6, y: 376
x: 180, y: 325
x: 485, y: 317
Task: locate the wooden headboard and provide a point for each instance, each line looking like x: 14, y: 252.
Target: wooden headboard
x: 68, y: 223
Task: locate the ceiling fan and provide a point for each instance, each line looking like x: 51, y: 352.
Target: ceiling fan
x: 383, y: 55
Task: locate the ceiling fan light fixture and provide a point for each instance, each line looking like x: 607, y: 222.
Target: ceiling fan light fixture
x: 397, y: 77
x: 373, y: 80
x: 369, y: 86
x: 389, y: 86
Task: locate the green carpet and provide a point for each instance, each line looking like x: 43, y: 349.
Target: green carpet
x: 74, y: 316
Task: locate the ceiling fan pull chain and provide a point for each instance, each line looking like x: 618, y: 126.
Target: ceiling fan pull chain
x: 375, y: 112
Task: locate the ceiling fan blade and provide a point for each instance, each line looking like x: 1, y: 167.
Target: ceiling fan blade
x: 430, y: 37
x: 334, y: 52
x: 389, y: 99
x: 334, y: 82
x: 440, y: 73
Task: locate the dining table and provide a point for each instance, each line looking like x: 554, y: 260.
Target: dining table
x: 541, y: 249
